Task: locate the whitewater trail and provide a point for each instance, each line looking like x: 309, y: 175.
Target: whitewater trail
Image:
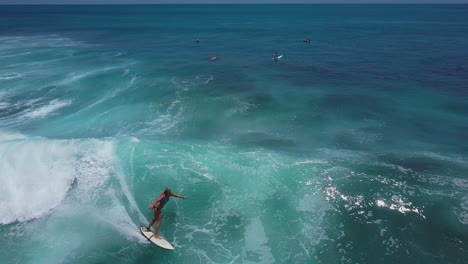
x: 55, y: 168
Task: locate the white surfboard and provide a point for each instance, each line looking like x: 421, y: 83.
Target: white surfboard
x: 279, y: 57
x: 162, y: 243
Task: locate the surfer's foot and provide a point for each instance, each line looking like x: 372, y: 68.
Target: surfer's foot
x: 147, y: 229
x: 157, y: 236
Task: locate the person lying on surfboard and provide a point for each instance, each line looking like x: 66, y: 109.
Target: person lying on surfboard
x: 157, y: 206
x: 276, y: 56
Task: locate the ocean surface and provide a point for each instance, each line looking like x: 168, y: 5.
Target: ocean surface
x: 350, y: 149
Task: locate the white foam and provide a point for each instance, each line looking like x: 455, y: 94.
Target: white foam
x: 400, y: 168
x: 134, y: 140
x: 36, y: 174
x: 461, y: 183
x: 113, y: 93
x: 15, y: 54
x: 10, y: 136
x: 256, y: 242
x: 45, y: 110
x: 342, y: 154
x: 39, y: 41
x: 93, y: 168
x: 238, y: 106
x: 10, y: 76
x: 4, y: 105
x: 205, y: 79
x: 455, y: 159
x: 166, y: 119
x: 74, y: 76
x: 189, y: 83
x: 463, y: 215
x: 5, y: 94
x: 397, y: 203
x: 117, y: 217
x: 313, y: 161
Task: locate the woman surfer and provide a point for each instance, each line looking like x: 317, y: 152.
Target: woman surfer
x: 157, y: 206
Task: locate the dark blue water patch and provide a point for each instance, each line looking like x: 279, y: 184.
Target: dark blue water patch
x: 348, y: 141
x: 451, y: 234
x: 426, y: 163
x: 422, y: 130
x: 458, y: 107
x: 201, y: 129
x: 356, y: 105
x: 260, y: 100
x: 451, y: 71
x: 306, y: 75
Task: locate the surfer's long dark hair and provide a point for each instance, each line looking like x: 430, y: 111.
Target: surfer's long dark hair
x: 167, y: 192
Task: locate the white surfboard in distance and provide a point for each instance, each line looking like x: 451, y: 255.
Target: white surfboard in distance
x: 162, y: 243
x: 279, y: 57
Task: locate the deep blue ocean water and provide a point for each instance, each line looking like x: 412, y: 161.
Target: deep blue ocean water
x: 350, y: 149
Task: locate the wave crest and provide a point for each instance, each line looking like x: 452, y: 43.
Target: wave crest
x: 36, y: 174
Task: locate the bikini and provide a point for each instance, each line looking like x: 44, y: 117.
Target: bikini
x: 159, y: 210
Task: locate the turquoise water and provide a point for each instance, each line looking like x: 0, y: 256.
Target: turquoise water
x: 351, y: 149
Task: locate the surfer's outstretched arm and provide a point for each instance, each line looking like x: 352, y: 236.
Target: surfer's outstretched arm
x: 178, y: 196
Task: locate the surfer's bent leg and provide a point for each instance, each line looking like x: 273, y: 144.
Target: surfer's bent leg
x: 154, y: 219
x: 159, y: 219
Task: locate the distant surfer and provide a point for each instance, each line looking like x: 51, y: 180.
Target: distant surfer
x: 157, y: 206
x: 307, y: 41
x: 197, y: 41
x: 276, y: 56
